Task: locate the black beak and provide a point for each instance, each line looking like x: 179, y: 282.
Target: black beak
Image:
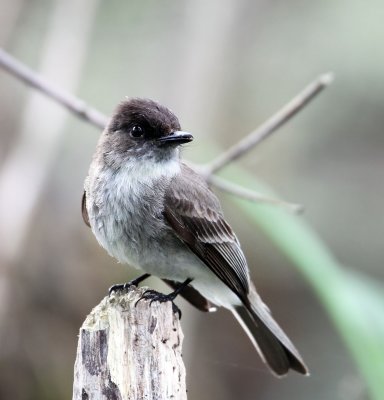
x: 177, y: 137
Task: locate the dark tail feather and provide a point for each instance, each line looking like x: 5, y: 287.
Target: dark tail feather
x: 269, y: 339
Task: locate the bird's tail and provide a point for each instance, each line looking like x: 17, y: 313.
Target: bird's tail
x: 271, y: 342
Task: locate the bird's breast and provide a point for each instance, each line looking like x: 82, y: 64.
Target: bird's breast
x: 125, y: 214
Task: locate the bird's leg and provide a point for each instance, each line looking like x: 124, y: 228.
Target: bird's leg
x: 125, y: 286
x: 153, y: 295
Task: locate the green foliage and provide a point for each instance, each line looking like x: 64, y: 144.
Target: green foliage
x: 354, y: 303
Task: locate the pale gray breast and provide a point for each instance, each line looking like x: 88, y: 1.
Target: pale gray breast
x: 126, y: 213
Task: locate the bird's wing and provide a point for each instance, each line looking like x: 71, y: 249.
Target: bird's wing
x: 84, y: 211
x: 195, y: 215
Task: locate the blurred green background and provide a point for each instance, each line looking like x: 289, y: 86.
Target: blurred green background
x: 223, y: 66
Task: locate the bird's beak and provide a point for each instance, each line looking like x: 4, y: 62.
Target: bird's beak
x: 177, y: 137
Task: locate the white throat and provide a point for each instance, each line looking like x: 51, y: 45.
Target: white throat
x: 145, y: 171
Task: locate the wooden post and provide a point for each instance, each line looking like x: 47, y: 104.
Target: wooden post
x: 130, y: 352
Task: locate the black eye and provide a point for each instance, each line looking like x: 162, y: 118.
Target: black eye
x: 137, y: 131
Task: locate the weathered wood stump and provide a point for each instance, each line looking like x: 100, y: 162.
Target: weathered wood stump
x: 130, y: 352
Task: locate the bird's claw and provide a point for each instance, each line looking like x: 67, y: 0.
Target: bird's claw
x: 153, y: 295
x: 126, y: 286
x: 120, y: 287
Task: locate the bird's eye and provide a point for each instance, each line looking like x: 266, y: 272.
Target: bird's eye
x: 137, y: 131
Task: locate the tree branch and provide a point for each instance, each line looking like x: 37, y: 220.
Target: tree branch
x: 72, y: 103
x: 271, y: 125
x: 251, y: 195
x: 91, y: 115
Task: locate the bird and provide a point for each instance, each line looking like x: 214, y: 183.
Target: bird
x: 149, y: 209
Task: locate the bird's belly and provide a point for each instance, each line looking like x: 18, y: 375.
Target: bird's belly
x: 147, y: 244
x: 165, y: 257
x: 144, y: 243
x: 124, y: 240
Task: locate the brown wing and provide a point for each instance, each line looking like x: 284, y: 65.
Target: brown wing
x: 194, y: 213
x: 84, y: 211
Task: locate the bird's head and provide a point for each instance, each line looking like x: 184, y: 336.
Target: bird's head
x: 142, y: 129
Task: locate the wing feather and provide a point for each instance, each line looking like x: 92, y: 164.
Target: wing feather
x: 195, y: 215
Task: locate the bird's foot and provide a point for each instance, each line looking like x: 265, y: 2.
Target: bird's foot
x: 124, y: 287
x: 120, y: 287
x: 152, y: 296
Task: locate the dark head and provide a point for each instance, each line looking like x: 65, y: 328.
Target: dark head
x: 142, y: 128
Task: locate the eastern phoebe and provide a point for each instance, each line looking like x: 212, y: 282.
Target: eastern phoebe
x: 150, y: 210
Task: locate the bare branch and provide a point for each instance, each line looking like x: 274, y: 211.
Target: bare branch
x: 271, y: 125
x: 251, y: 195
x: 91, y: 115
x: 72, y: 103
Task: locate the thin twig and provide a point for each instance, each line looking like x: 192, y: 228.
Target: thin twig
x: 91, y: 115
x: 252, y: 195
x: 72, y: 103
x: 271, y: 125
